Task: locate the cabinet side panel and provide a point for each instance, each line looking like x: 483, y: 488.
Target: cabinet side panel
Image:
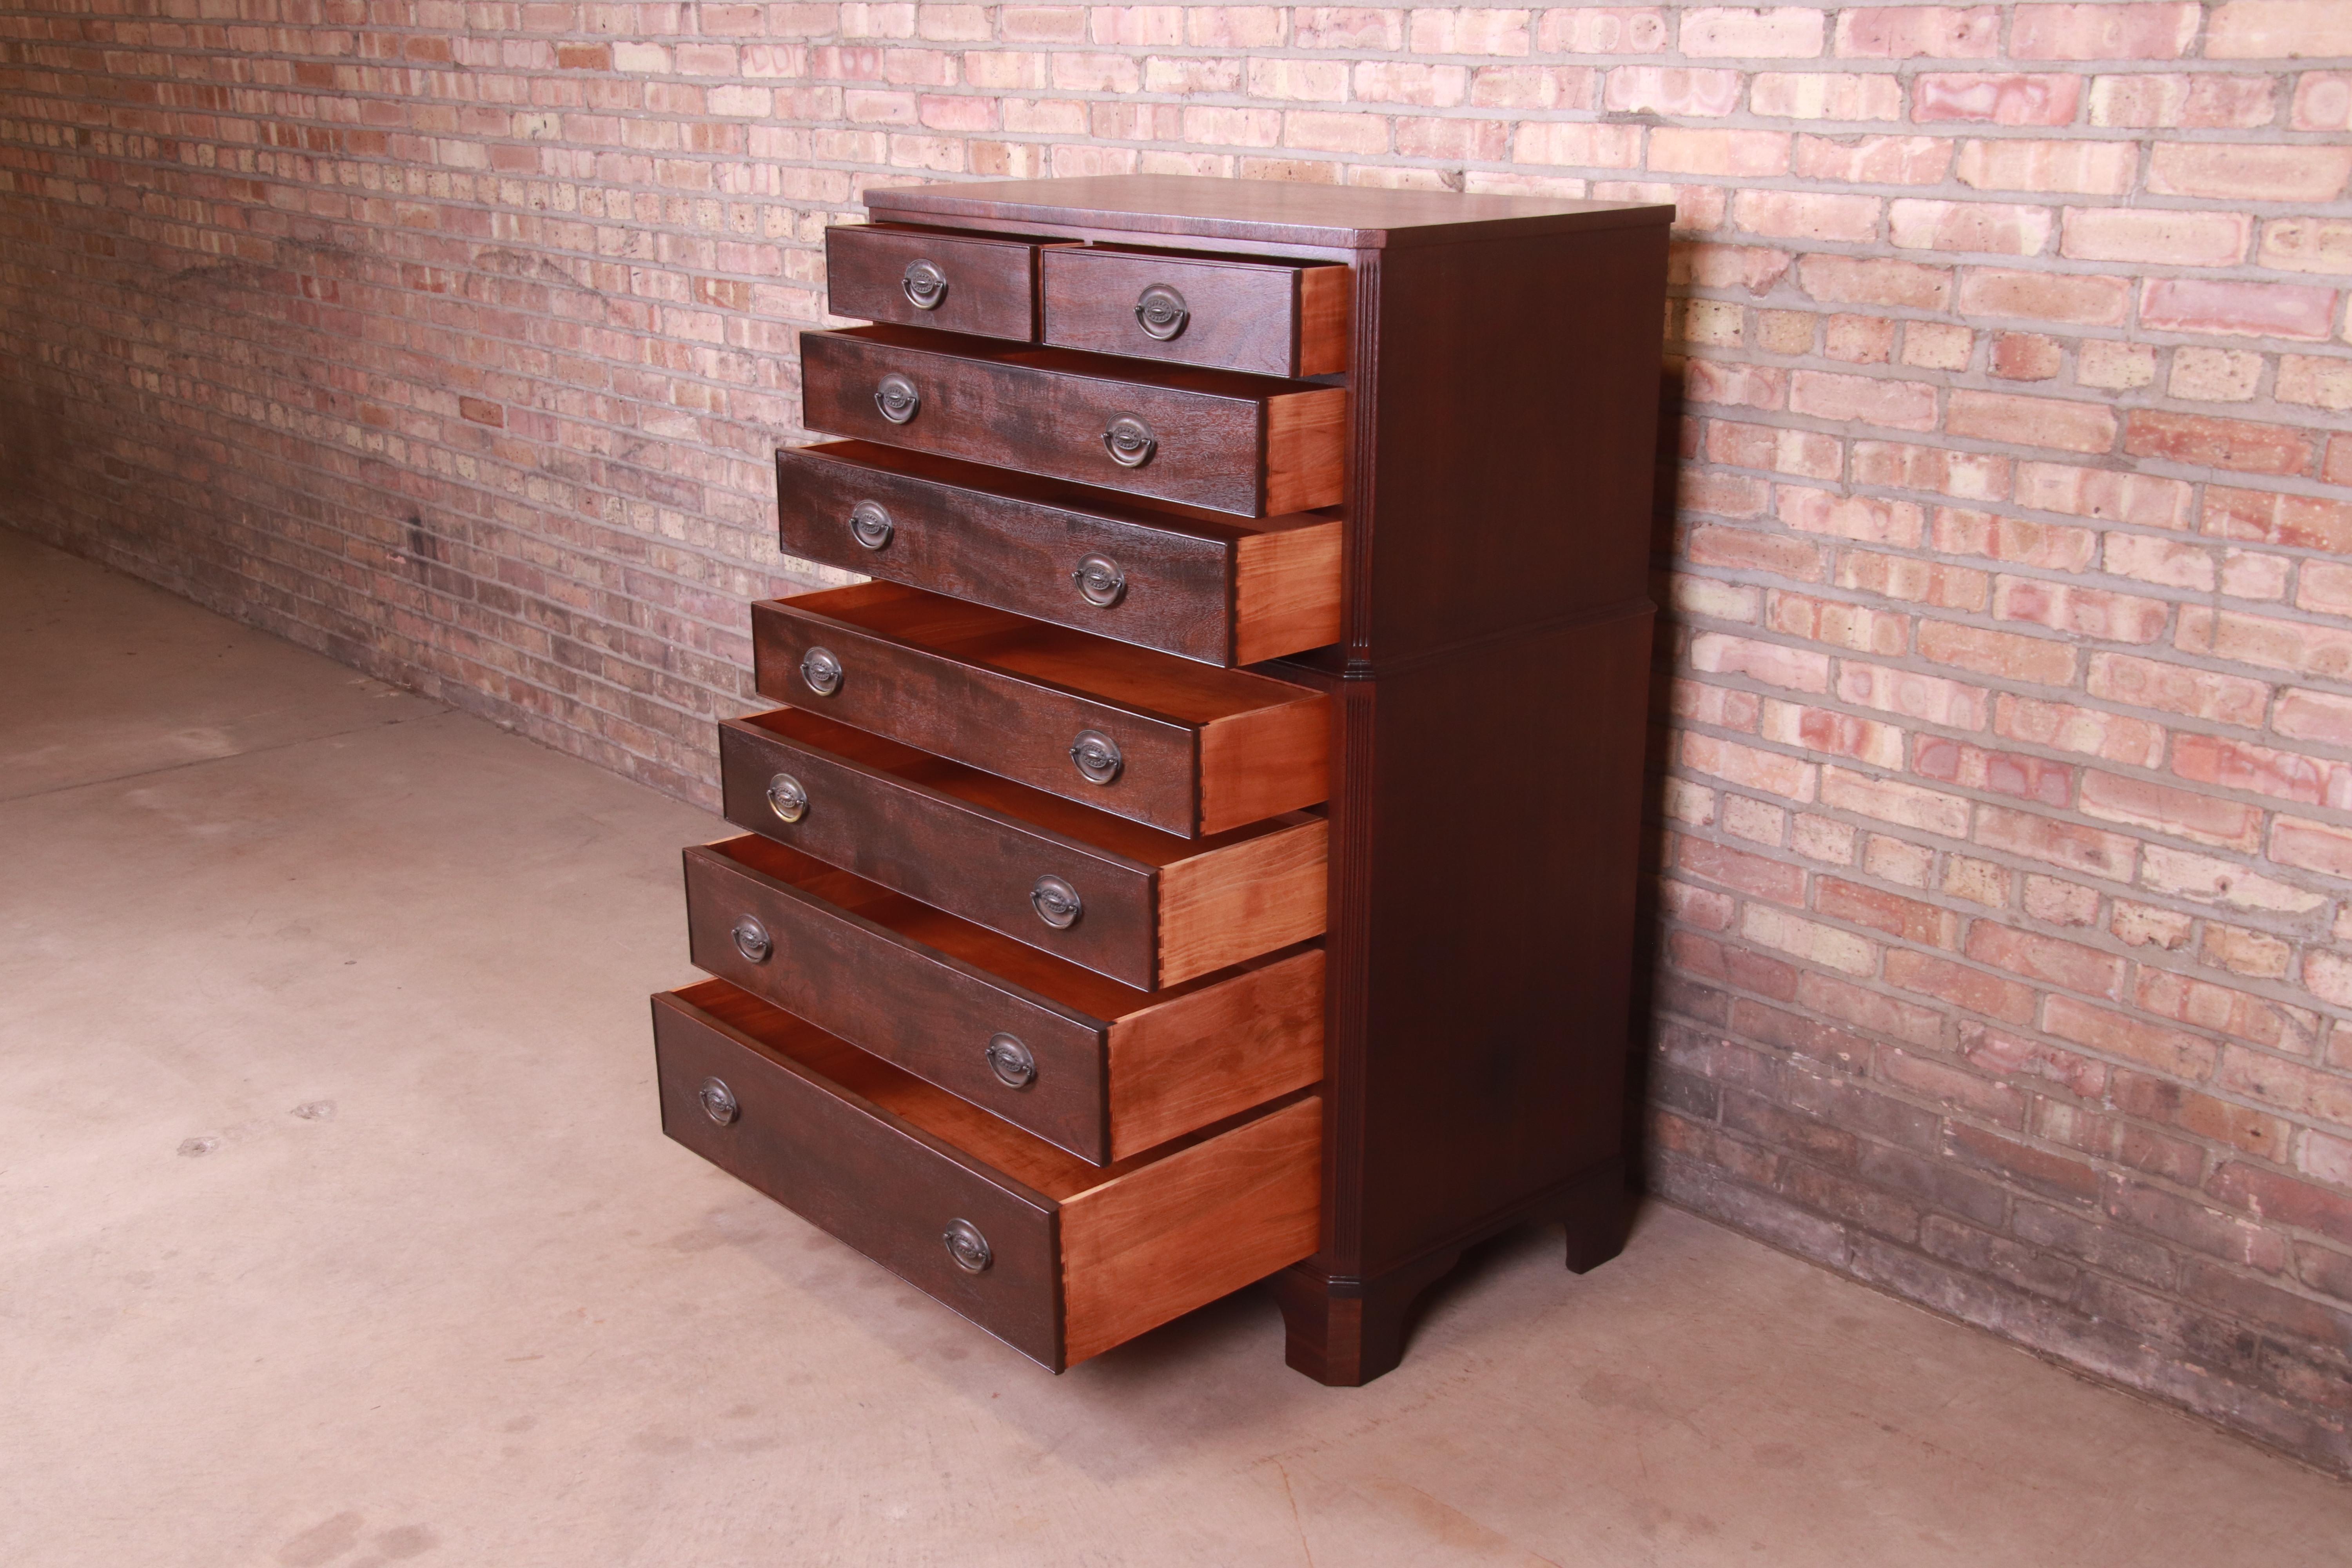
x: 1507, y: 797
x: 1518, y: 416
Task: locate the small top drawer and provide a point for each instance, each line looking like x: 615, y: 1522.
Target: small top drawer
x: 955, y: 282
x: 1268, y: 318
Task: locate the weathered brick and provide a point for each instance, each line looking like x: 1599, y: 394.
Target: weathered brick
x: 2205, y: 440
x: 2069, y: 843
x: 2278, y: 29
x: 1889, y: 800
x: 2167, y: 1050
x: 2233, y: 308
x: 1912, y: 32
x: 2095, y: 168
x: 2066, y: 727
x: 2163, y: 236
x: 2001, y: 227
x: 2187, y: 814
x: 2046, y: 297
x: 2104, y: 31
x: 2013, y: 97
x: 2239, y: 172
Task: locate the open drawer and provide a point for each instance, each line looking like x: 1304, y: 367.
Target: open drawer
x: 1184, y: 747
x: 1144, y: 907
x: 1059, y: 1258
x: 1094, y: 1067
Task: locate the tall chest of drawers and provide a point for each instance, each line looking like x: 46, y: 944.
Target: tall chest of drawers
x: 1205, y: 850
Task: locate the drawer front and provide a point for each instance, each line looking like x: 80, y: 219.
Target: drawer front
x: 954, y: 283
x: 1004, y: 724
x: 1015, y: 551
x: 867, y: 1177
x: 1214, y: 444
x: 953, y: 855
x: 1263, y: 318
x: 906, y: 1003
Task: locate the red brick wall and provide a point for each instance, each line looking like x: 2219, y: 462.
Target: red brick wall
x: 2007, y: 823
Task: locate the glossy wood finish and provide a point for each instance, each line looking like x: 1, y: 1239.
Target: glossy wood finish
x: 1216, y: 589
x: 1205, y: 750
x: 1242, y: 445
x: 991, y: 284
x: 1155, y: 909
x: 1188, y: 210
x: 1117, y: 1069
x: 1081, y: 1258
x: 1485, y: 699
x: 1263, y: 318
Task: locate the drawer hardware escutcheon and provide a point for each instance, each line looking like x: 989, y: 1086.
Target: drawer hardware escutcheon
x: 1096, y: 756
x: 821, y: 670
x: 1100, y: 581
x: 787, y: 798
x: 1010, y: 1060
x: 926, y: 285
x: 1160, y: 311
x: 1056, y: 902
x: 967, y: 1247
x: 870, y: 525
x: 1129, y: 440
x: 751, y: 939
x: 719, y: 1101
x: 895, y: 397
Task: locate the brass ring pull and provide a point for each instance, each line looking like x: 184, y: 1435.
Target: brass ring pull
x: 1096, y: 756
x: 1010, y: 1060
x: 1160, y: 312
x: 820, y: 670
x: 967, y: 1247
x: 751, y: 939
x: 870, y: 525
x: 787, y: 798
x: 719, y: 1101
x: 1129, y: 441
x: 895, y: 397
x: 1056, y: 902
x: 926, y: 285
x: 1100, y: 581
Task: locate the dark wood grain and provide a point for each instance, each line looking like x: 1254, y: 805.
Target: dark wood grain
x: 1273, y: 211
x: 974, y: 844
x: 1251, y: 316
x: 1216, y: 589
x: 842, y: 1162
x: 1221, y: 438
x: 1511, y: 437
x: 856, y: 964
x: 1484, y: 697
x: 1205, y: 750
x: 1082, y: 1258
x: 920, y: 988
x: 992, y: 283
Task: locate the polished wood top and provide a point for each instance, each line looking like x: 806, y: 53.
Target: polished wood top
x: 1270, y: 211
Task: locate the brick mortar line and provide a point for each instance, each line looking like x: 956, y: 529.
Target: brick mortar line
x: 2097, y: 940
x: 2015, y: 1188
x: 2288, y: 1282
x: 2053, y: 1090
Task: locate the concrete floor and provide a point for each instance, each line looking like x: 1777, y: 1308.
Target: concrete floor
x: 336, y: 1228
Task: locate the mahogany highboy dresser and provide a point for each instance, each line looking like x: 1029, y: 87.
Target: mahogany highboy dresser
x: 1204, y: 851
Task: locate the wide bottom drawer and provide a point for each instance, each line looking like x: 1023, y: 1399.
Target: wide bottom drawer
x: 1059, y: 1258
